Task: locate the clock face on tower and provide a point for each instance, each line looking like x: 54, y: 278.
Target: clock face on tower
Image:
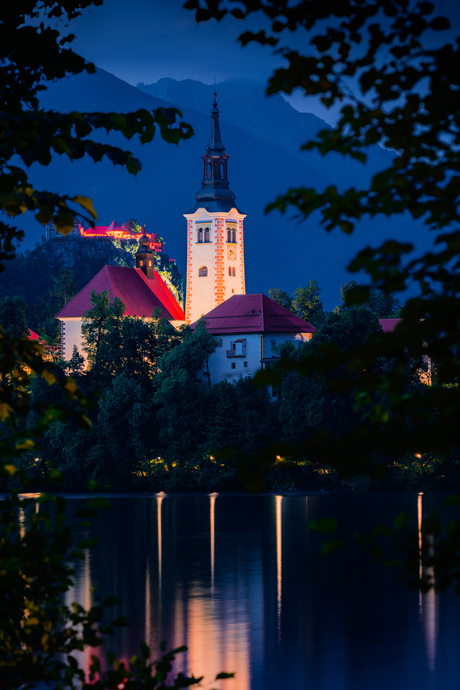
x: 231, y: 252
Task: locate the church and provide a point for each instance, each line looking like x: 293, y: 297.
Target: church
x: 248, y: 328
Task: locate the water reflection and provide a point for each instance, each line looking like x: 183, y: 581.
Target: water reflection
x: 279, y: 556
x: 428, y: 601
x: 237, y: 581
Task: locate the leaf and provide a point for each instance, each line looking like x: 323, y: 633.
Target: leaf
x: 222, y: 675
x: 49, y: 377
x: 87, y: 204
x: 5, y: 411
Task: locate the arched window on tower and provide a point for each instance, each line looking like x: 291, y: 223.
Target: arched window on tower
x: 203, y: 271
x: 209, y: 171
x: 206, y: 235
x: 231, y: 235
x: 222, y: 170
x: 231, y: 271
x: 200, y: 235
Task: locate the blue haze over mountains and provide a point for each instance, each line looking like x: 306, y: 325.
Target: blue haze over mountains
x: 262, y: 137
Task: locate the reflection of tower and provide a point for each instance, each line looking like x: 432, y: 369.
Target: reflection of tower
x: 279, y: 561
x: 215, y: 251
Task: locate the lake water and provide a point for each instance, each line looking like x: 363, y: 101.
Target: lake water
x: 240, y: 580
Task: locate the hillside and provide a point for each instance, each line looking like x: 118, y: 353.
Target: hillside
x: 262, y: 138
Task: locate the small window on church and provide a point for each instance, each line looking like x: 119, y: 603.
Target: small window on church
x: 150, y: 263
x: 141, y: 263
x: 203, y: 271
x: 231, y: 235
x: 233, y: 365
x: 200, y: 235
x: 206, y: 235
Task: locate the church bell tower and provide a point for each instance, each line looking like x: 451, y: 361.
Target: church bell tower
x: 215, y: 249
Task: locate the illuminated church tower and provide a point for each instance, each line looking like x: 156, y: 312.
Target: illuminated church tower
x: 215, y: 250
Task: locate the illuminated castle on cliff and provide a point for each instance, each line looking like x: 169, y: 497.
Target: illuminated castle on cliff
x: 215, y: 248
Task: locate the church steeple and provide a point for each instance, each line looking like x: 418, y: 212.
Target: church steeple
x: 215, y: 193
x: 215, y: 249
x: 144, y: 256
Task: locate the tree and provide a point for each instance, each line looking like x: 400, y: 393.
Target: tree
x: 61, y: 291
x: 76, y: 363
x: 180, y: 395
x: 312, y: 402
x: 281, y: 297
x: 13, y: 317
x: 307, y: 304
x: 384, y: 305
x: 35, y: 50
x: 104, y: 318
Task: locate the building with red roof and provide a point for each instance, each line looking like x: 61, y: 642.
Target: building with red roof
x: 141, y: 289
x: 249, y: 330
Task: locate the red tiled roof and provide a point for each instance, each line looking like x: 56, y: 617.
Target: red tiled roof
x: 114, y: 227
x: 139, y: 294
x: 388, y: 325
x: 254, y: 314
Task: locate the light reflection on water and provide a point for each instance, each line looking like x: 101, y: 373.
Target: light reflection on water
x: 241, y: 582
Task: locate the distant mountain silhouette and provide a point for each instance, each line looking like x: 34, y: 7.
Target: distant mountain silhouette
x: 262, y: 136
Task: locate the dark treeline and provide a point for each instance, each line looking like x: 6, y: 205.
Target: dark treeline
x: 159, y: 424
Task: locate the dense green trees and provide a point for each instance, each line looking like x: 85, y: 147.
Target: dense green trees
x: 383, y: 304
x: 305, y: 302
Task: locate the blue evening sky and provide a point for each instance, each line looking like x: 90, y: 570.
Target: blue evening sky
x: 145, y: 40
